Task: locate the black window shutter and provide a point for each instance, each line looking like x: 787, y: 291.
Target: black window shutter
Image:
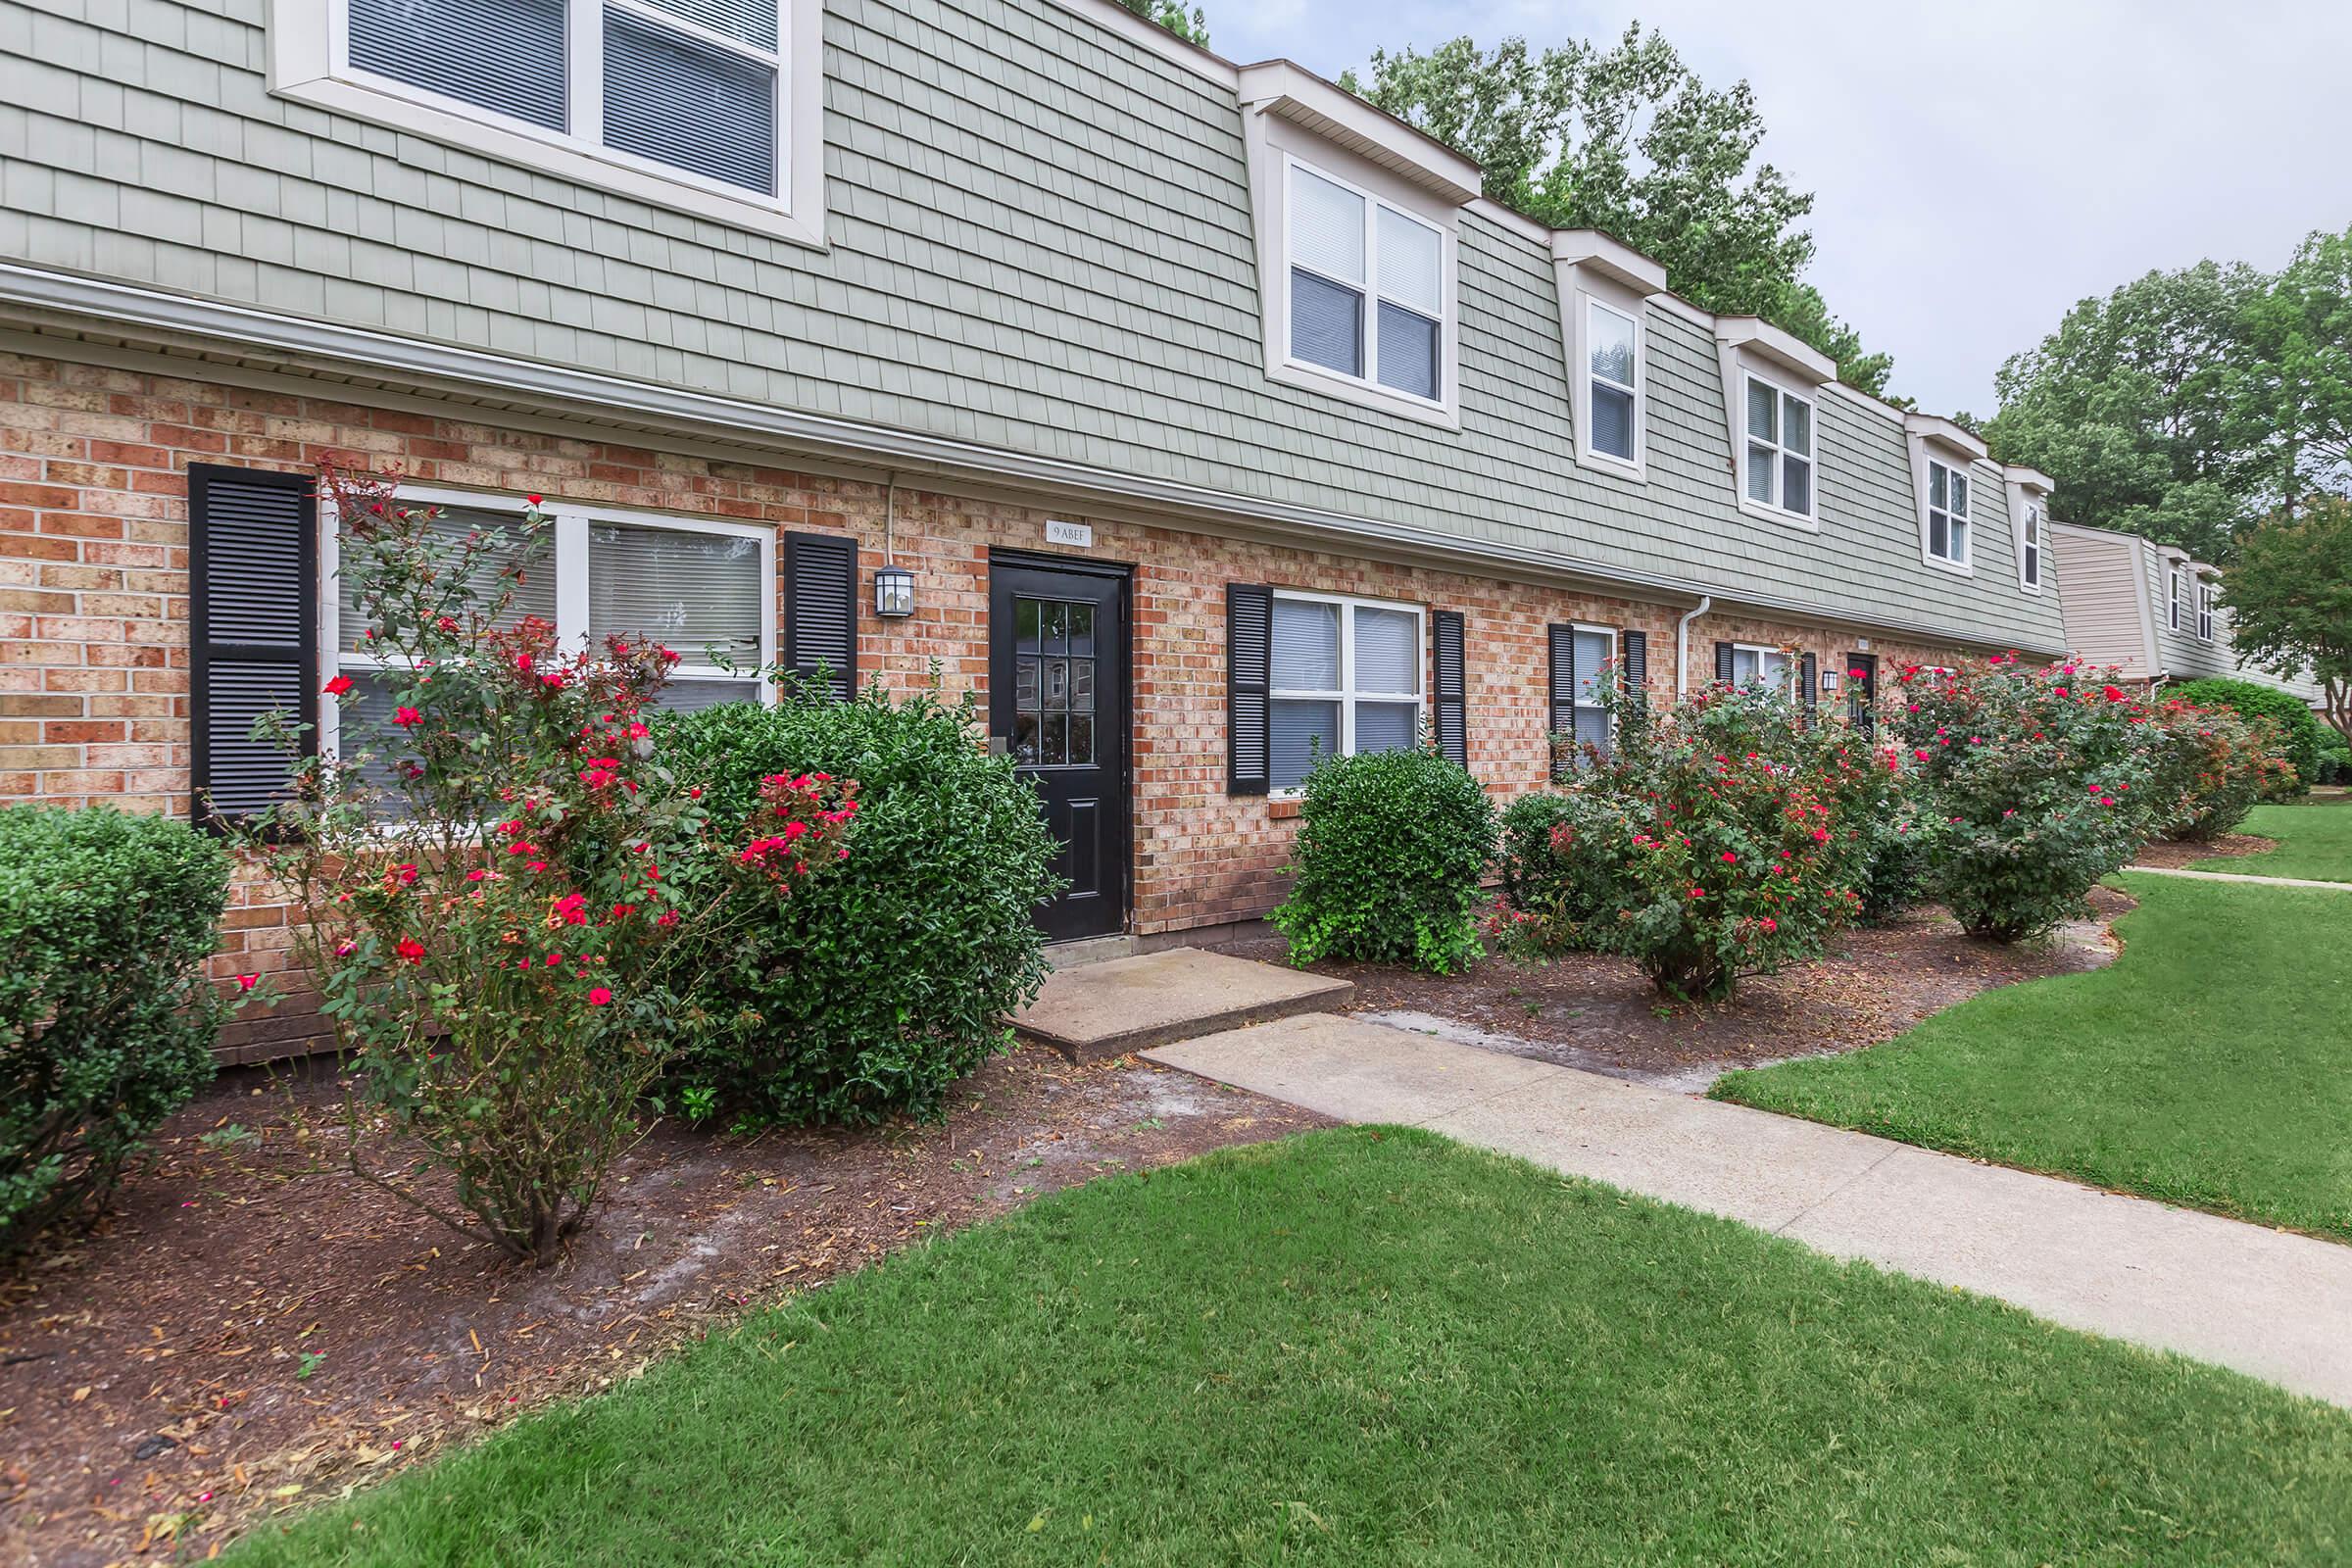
x: 1723, y: 662
x: 1453, y: 728
x: 1811, y: 665
x: 1633, y: 658
x: 253, y: 632
x: 1249, y: 673
x: 820, y: 609
x: 1563, y: 695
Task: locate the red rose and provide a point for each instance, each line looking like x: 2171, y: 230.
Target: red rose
x: 597, y: 995
x: 340, y: 685
x: 408, y: 717
x: 246, y: 982
x: 411, y: 949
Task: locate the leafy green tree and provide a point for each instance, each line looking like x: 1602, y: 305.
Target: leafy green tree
x: 2289, y: 598
x: 2128, y: 406
x: 2290, y: 414
x: 1628, y: 139
x: 1190, y: 26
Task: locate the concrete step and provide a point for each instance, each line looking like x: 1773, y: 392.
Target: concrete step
x: 1083, y: 950
x: 1098, y: 1011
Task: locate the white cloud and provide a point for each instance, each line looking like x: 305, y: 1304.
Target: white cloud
x: 1981, y: 167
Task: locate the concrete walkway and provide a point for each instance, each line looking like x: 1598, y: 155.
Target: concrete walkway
x: 2265, y: 1302
x: 2239, y: 876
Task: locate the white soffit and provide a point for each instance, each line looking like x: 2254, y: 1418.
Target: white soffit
x: 1752, y: 334
x: 1943, y: 432
x: 1298, y: 95
x: 1590, y: 250
x: 2016, y: 473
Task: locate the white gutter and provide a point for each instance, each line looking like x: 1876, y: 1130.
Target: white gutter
x: 1681, y: 644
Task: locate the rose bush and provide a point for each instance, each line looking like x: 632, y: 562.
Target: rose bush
x: 2209, y: 766
x: 492, y: 884
x: 2038, y: 782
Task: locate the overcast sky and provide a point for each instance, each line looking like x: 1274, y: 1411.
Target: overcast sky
x: 1977, y: 168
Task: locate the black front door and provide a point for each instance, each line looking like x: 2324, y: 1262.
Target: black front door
x: 1058, y: 703
x: 1862, y: 692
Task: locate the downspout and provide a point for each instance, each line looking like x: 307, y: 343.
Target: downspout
x: 1682, y: 646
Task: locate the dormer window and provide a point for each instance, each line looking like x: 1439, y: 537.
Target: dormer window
x: 1606, y: 288
x: 2030, y: 564
x: 1366, y: 286
x: 1777, y: 471
x: 2204, y: 611
x: 1613, y: 342
x: 1947, y: 514
x: 2175, y: 598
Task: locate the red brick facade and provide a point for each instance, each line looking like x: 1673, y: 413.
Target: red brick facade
x: 93, y: 611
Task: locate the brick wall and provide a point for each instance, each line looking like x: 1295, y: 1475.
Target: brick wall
x: 93, y: 613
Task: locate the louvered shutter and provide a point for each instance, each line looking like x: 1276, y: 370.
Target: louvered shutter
x: 1563, y: 696
x: 1723, y: 662
x: 1632, y: 650
x: 253, y: 631
x: 1452, y: 688
x: 820, y: 609
x: 1810, y: 664
x: 1248, y: 669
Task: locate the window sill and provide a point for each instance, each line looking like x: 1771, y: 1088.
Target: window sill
x: 1364, y: 394
x: 1958, y: 569
x: 399, y: 113
x: 1284, y: 808
x: 1774, y: 514
x: 1633, y: 473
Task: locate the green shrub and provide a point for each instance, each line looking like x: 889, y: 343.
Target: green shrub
x: 1549, y: 897
x: 1392, y: 848
x: 877, y: 991
x: 106, y: 1019
x: 2335, y: 761
x: 2039, y: 783
x: 2208, y: 768
x: 2305, y: 738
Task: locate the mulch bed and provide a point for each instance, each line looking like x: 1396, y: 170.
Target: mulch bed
x: 253, y: 1331
x: 2170, y: 856
x: 1600, y: 1014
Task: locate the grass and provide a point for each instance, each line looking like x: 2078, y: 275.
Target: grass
x: 2315, y: 841
x: 1378, y: 1347
x: 2210, y: 1065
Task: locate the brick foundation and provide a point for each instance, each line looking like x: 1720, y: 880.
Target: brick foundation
x: 93, y: 615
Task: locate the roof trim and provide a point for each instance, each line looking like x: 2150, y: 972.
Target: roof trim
x: 1752, y: 334
x: 1205, y: 64
x: 2019, y: 474
x: 1612, y: 258
x: 1944, y: 433
x: 1296, y: 94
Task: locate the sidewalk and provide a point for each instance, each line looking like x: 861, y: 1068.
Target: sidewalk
x: 2237, y: 876
x: 2275, y: 1305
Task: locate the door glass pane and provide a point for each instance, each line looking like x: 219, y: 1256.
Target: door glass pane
x: 1057, y: 685
x: 1082, y: 685
x: 1409, y: 263
x: 1082, y: 628
x: 1054, y: 744
x: 1024, y: 739
x: 1763, y: 411
x: 1327, y: 323
x: 1302, y: 732
x: 1327, y: 227
x: 1025, y: 625
x: 1306, y: 645
x: 1388, y: 650
x: 1759, y: 473
x: 1054, y: 626
x: 697, y: 593
x: 1408, y: 350
x: 1025, y: 684
x: 1385, y: 727
x: 1082, y: 739
x: 535, y: 595
x: 1612, y: 422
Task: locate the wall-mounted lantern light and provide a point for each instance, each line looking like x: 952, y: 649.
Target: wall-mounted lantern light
x: 894, y: 593
x: 1828, y: 681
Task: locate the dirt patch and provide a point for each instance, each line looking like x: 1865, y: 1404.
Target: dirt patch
x: 2170, y: 856
x: 1600, y: 1014
x: 250, y: 1333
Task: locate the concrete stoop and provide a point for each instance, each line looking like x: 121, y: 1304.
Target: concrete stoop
x: 1093, y: 1012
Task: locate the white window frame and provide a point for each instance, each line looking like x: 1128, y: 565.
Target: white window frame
x: 573, y: 520
x: 1608, y: 718
x: 1776, y: 509
x: 1964, y: 562
x: 1793, y: 674
x: 2174, y: 597
x: 1370, y: 380
x: 309, y: 62
x: 2032, y: 547
x: 1626, y: 306
x: 1345, y: 694
x: 2204, y: 611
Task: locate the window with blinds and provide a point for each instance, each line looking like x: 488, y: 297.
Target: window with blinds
x: 703, y: 589
x: 1947, y: 514
x: 1612, y: 350
x: 1780, y: 448
x: 691, y: 86
x: 1366, y: 286
x: 1346, y: 679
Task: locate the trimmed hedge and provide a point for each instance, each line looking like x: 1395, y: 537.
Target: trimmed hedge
x: 874, y: 990
x: 106, y: 1019
x: 1391, y: 849
x: 2306, y: 737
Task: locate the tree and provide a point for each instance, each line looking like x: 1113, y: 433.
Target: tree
x: 2289, y: 598
x: 1629, y: 140
x: 2290, y: 414
x: 2128, y: 406
x: 1190, y: 26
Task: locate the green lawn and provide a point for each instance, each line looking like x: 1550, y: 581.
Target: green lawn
x: 1378, y: 1347
x: 2210, y: 1065
x: 2315, y: 841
